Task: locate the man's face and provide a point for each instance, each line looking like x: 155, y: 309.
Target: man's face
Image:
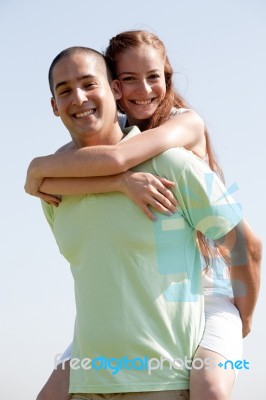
x: 84, y: 100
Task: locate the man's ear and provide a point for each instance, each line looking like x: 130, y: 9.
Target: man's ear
x: 54, y: 107
x: 116, y: 88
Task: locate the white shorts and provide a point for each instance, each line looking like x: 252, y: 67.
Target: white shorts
x: 66, y: 356
x: 223, y: 328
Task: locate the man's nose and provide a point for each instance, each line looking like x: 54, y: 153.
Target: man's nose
x: 79, y: 96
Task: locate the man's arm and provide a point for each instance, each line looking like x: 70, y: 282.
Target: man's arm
x: 246, y: 251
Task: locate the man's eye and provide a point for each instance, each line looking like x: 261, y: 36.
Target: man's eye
x: 90, y: 85
x: 64, y: 92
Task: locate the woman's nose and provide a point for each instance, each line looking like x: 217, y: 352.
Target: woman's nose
x: 144, y: 87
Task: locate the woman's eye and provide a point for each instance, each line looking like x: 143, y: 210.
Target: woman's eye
x: 128, y: 79
x: 154, y: 76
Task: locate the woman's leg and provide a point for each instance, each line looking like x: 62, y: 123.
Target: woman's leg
x: 56, y: 388
x: 213, y: 383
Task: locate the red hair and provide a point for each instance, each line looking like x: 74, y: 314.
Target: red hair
x: 134, y: 39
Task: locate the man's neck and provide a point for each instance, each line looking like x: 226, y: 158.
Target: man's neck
x: 105, y: 138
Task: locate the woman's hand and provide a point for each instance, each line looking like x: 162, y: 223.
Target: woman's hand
x: 32, y: 187
x: 147, y: 190
x: 143, y: 188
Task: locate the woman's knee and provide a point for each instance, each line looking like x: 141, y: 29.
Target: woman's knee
x: 218, y: 391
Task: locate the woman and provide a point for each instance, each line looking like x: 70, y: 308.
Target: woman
x: 141, y: 68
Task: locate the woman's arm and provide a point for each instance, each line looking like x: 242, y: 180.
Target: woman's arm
x: 143, y: 188
x: 186, y: 130
x: 183, y: 130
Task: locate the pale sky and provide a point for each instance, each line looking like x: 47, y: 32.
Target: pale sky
x: 217, y: 49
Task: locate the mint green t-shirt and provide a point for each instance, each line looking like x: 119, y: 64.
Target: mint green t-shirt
x: 138, y: 283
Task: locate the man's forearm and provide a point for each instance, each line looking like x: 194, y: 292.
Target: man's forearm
x: 246, y: 277
x: 245, y: 283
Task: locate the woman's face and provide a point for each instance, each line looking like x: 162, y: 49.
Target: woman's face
x: 140, y: 72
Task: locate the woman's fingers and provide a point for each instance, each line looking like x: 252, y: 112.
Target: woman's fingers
x: 147, y: 190
x: 50, y: 199
x: 166, y: 198
x: 148, y: 212
x: 163, y: 194
x: 148, y: 202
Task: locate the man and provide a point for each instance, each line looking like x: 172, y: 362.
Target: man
x: 137, y: 284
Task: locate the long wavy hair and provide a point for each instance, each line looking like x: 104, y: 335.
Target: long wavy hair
x: 134, y: 39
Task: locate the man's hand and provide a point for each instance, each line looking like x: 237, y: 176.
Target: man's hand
x: 246, y: 327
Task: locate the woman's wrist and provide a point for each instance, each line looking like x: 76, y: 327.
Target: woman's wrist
x: 121, y: 182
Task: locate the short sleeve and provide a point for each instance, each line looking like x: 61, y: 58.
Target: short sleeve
x: 205, y: 201
x: 177, y: 111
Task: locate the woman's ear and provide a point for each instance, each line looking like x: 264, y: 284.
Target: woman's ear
x: 54, y: 107
x: 116, y: 88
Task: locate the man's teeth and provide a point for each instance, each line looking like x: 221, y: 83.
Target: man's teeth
x: 143, y: 102
x: 84, y: 114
